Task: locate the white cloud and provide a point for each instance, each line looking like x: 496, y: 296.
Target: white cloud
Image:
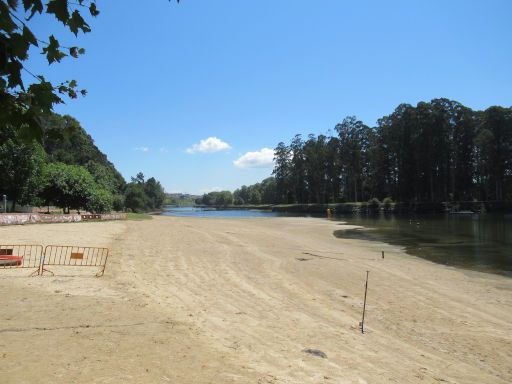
x: 264, y: 158
x: 142, y: 149
x: 209, y: 145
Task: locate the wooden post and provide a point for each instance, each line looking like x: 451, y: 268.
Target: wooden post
x: 382, y: 254
x: 364, y: 303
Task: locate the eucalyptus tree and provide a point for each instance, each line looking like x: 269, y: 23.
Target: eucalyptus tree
x: 352, y: 134
x: 282, y: 173
x: 494, y: 142
x: 298, y: 170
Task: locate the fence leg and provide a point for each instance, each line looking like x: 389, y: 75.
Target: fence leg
x: 41, y: 264
x: 100, y: 273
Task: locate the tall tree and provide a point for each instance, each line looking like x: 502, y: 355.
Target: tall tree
x: 282, y: 173
x: 20, y: 167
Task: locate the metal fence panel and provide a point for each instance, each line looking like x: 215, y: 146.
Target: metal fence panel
x: 71, y: 255
x: 21, y: 256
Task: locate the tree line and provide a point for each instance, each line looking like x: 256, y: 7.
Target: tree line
x: 65, y: 169
x: 437, y: 151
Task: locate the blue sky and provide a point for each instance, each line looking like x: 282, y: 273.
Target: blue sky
x: 171, y: 83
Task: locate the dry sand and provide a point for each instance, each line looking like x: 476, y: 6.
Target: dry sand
x: 194, y: 300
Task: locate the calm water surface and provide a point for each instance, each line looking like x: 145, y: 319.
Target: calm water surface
x: 207, y: 212
x: 479, y: 242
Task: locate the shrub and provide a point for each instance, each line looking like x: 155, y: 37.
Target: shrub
x: 374, y: 203
x: 99, y: 201
x: 388, y: 201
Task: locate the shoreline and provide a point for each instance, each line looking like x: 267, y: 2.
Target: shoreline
x: 377, y: 207
x: 429, y: 250
x: 200, y: 301
x: 362, y: 233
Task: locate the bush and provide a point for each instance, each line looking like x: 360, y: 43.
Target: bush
x: 100, y: 201
x: 135, y: 197
x: 388, y: 202
x: 118, y: 203
x: 374, y: 203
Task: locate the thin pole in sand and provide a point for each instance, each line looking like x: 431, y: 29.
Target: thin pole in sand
x: 382, y: 254
x: 364, y: 304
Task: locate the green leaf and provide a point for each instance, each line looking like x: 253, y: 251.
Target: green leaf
x: 13, y: 4
x: 81, y: 51
x: 43, y: 96
x: 72, y: 84
x: 6, y: 22
x: 29, y: 36
x: 19, y: 46
x: 93, y: 10
x: 60, y: 9
x: 30, y: 132
x: 34, y: 6
x: 14, y: 74
x: 52, y: 51
x: 73, y: 52
x: 77, y: 22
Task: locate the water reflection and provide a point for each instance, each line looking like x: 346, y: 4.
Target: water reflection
x: 214, y: 213
x: 481, y: 242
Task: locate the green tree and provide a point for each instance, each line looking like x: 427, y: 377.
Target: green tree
x: 493, y: 152
x: 298, y: 170
x: 155, y: 193
x: 135, y: 197
x: 20, y: 167
x: 268, y: 191
x: 67, y: 142
x: 99, y: 200
x: 141, y: 195
x: 223, y: 199
x: 282, y: 173
x: 69, y: 187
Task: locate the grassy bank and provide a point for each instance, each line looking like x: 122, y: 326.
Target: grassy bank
x: 138, y: 216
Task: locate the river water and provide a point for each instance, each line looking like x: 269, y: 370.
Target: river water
x: 472, y: 241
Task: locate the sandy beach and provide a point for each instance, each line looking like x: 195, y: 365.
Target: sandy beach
x: 194, y: 300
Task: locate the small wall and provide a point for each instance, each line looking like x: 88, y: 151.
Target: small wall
x: 38, y: 218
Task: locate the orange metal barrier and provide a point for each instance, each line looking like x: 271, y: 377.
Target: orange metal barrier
x: 33, y: 256
x: 70, y: 255
x: 21, y: 256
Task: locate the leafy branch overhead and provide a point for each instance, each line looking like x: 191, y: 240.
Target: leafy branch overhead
x: 23, y: 105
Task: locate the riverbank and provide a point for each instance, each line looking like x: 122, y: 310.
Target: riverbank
x: 376, y: 206
x: 239, y: 300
